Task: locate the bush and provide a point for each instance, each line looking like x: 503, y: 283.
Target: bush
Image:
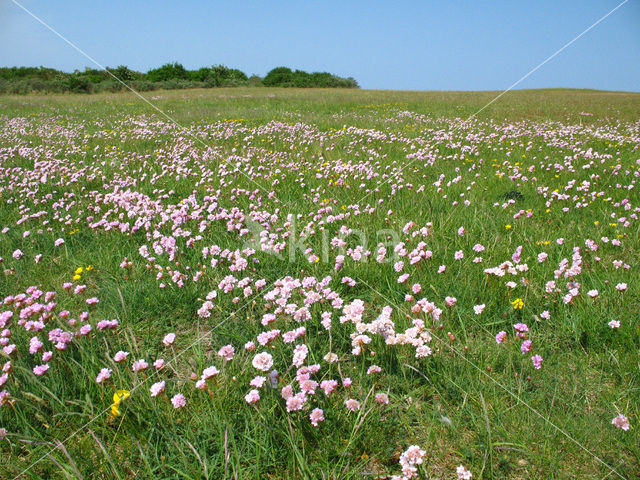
x: 285, y: 77
x: 169, y: 71
x: 78, y: 84
x: 24, y: 80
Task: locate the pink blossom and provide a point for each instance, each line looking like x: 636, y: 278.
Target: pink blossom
x: 40, y: 369
x: 227, y: 352
x: 158, y: 388
x: 478, y: 309
x: 209, y: 372
x: 258, y: 381
x: 104, y: 374
x: 382, y: 398
x: 120, y: 356
x: 352, y: 404
x: 621, y: 422
x: 168, y: 339
x: 252, y: 397
x: 262, y: 361
x: 463, y: 473
x: 178, y: 401
x: 537, y: 362
x: 317, y: 415
x: 139, y: 365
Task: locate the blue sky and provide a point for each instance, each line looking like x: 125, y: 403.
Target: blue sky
x: 416, y: 45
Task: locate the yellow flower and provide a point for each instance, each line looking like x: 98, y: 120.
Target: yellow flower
x: 118, y: 397
x: 508, y: 227
x: 517, y: 304
x: 89, y: 268
x: 79, y: 270
x: 115, y: 410
x: 76, y: 277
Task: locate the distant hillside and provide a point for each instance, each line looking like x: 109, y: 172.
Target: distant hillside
x: 23, y: 80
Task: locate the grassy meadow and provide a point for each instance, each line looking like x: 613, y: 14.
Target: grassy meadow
x: 305, y: 283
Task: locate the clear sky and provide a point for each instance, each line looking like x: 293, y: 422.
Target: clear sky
x: 390, y: 44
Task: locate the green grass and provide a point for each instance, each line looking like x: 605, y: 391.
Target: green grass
x: 472, y: 402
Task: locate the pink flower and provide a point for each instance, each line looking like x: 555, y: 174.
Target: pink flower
x: 300, y: 355
x: 120, y: 356
x: 317, y: 415
x: 614, y: 324
x: 178, y: 401
x: 296, y: 402
x: 252, y: 397
x: 346, y: 383
x: 442, y: 268
x: 159, y: 364
x: 621, y: 287
x: 92, y: 301
x: 545, y: 314
x: 286, y: 392
x: 17, y: 254
x: 500, y: 337
x: 9, y: 349
x: 537, y: 362
x: 262, y: 361
x: 478, y: 309
x: 139, y: 365
x: 352, y: 404
x: 104, y: 374
x: 526, y: 346
x: 382, y: 398
x: 478, y: 248
x: 227, y: 352
x: 328, y: 386
x: 450, y: 301
x: 58, y: 242
x: 40, y: 369
x: 258, y: 381
x: 411, y: 457
x: 158, y: 388
x: 459, y: 255
x: 621, y: 422
x: 463, y: 473
x: 168, y: 339
x: 373, y: 369
x: 209, y: 372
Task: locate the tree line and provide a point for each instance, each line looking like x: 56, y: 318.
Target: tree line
x: 23, y: 80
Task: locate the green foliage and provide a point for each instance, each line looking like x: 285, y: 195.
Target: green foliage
x: 25, y: 80
x: 169, y: 71
x: 285, y: 77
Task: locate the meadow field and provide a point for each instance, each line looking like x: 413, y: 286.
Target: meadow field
x: 320, y: 284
